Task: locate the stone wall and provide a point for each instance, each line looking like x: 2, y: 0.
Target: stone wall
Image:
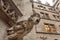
x: 3, y: 28
x: 25, y: 6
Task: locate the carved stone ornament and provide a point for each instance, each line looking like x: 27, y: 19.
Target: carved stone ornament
x: 43, y: 38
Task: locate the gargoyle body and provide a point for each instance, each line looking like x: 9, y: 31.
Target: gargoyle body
x: 21, y: 28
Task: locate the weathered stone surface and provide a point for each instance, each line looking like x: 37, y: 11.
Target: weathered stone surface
x: 3, y: 32
x: 25, y: 6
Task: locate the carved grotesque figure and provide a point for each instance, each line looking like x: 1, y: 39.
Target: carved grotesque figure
x: 21, y: 28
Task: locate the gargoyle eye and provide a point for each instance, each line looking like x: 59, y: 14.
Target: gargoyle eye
x: 37, y: 20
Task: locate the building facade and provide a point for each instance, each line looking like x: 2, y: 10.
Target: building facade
x: 49, y: 25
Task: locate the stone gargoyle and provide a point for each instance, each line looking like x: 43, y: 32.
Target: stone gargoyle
x: 22, y: 28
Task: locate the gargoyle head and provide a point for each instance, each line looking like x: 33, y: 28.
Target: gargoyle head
x: 35, y: 18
